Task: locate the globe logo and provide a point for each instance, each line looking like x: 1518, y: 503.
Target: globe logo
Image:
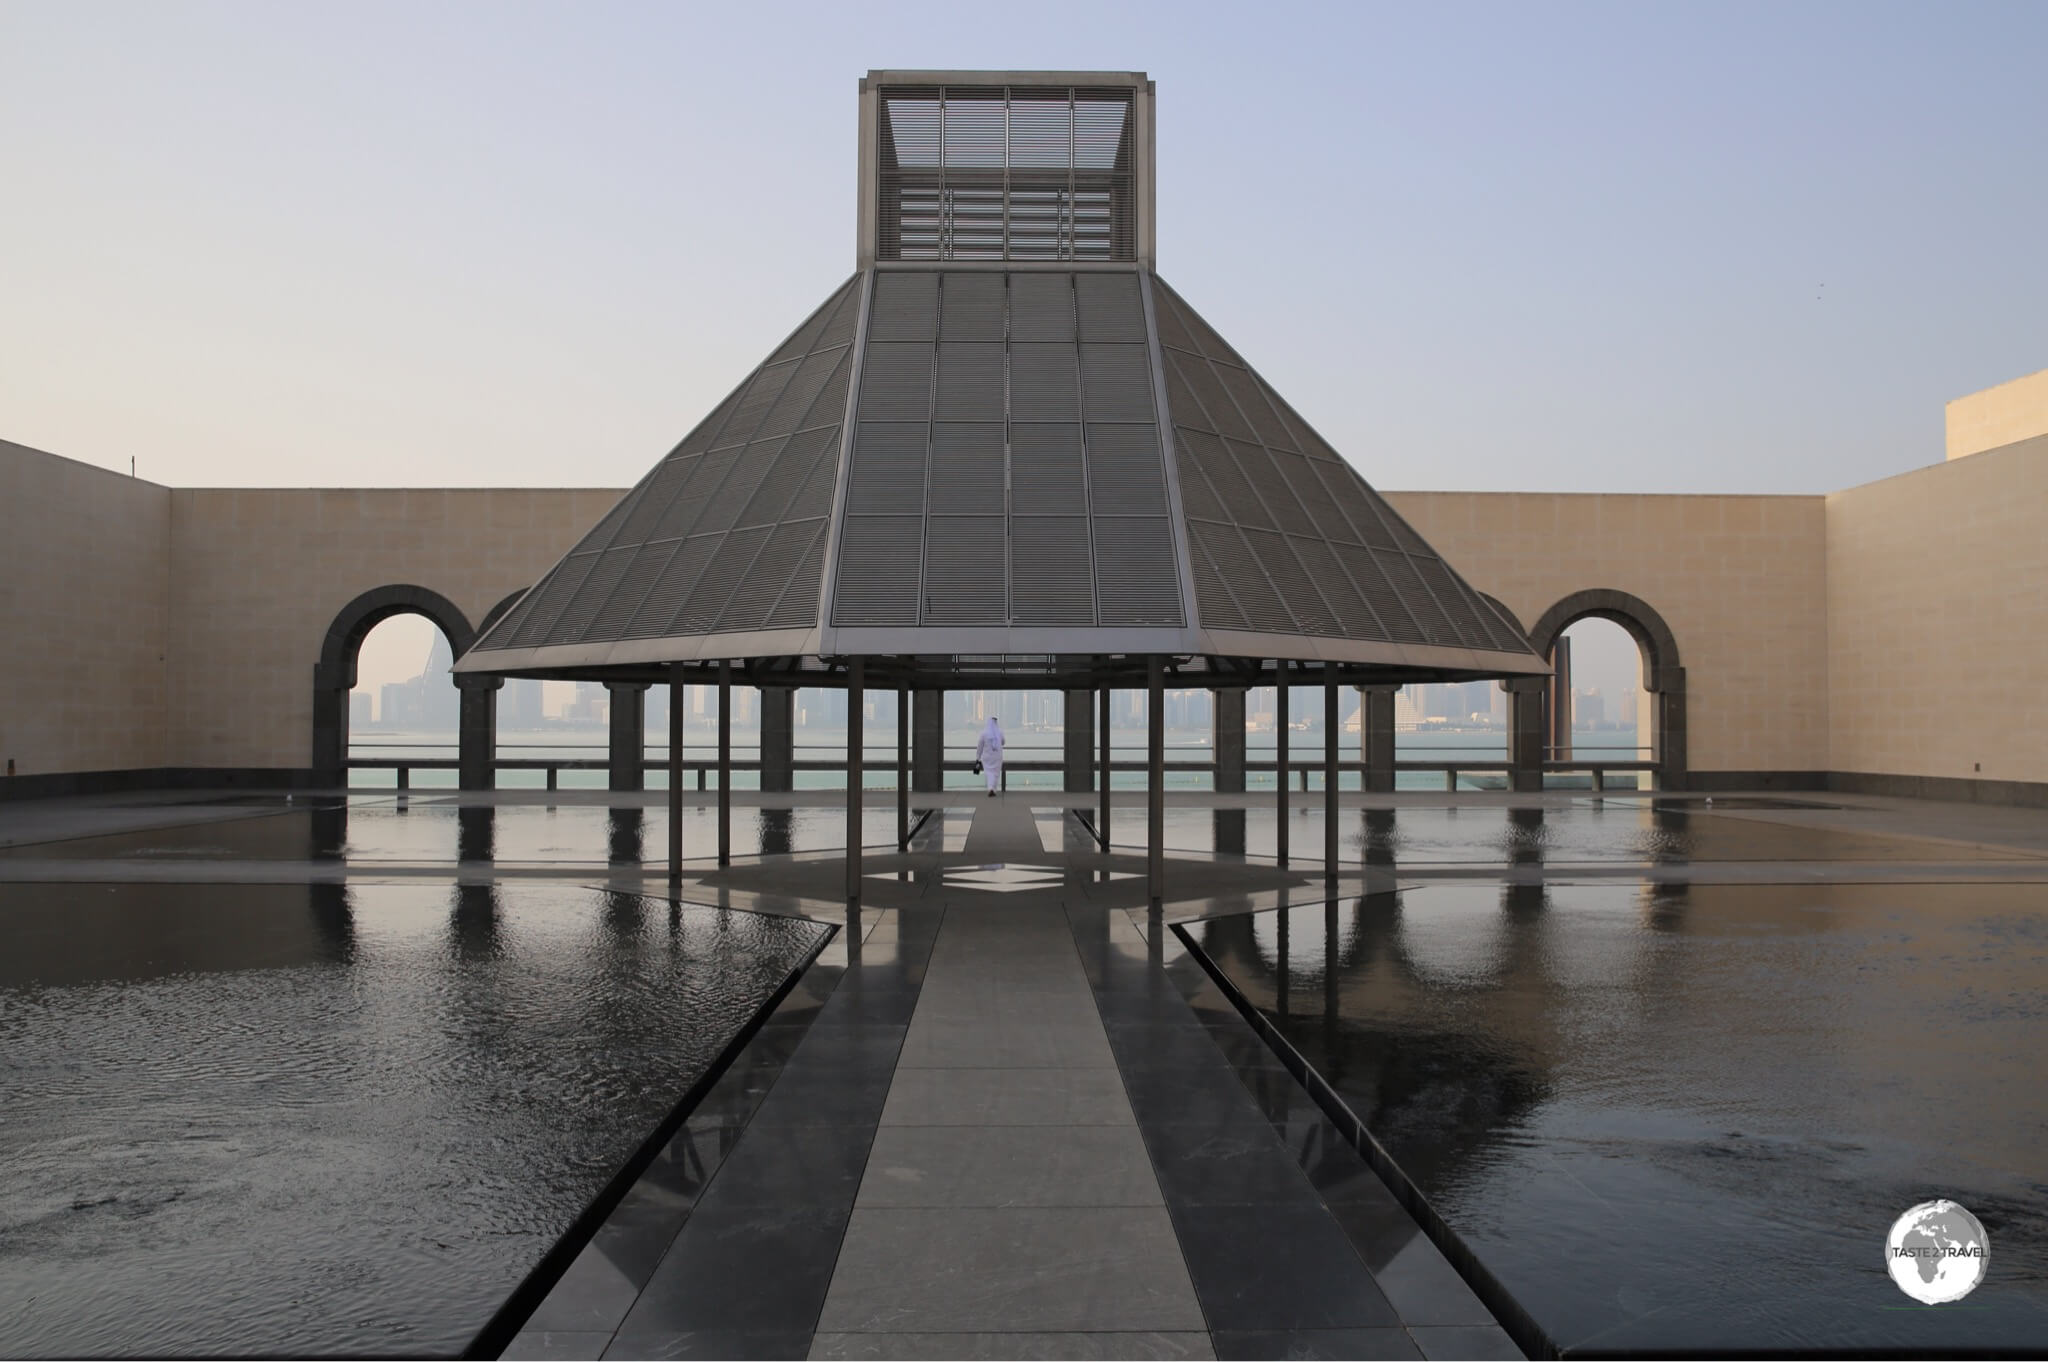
x: 1936, y: 1252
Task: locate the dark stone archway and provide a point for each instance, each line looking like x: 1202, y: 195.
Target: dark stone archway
x: 1663, y: 677
x: 334, y: 676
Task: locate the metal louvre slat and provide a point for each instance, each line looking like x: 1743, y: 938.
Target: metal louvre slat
x: 1214, y: 605
x: 1202, y: 336
x: 1257, y: 599
x: 1173, y: 327
x: 706, y: 431
x: 845, y: 317
x: 1311, y: 615
x: 830, y: 407
x: 971, y: 307
x: 581, y: 609
x: 967, y: 468
x: 896, y: 382
x: 651, y: 498
x: 680, y: 517
x: 1042, y: 308
x: 1349, y: 494
x: 767, y: 579
x: 905, y: 308
x: 794, y: 405
x: 1253, y: 405
x: 742, y: 480
x: 1214, y: 397
x: 1050, y: 577
x: 877, y: 580
x: 1198, y: 500
x: 1300, y: 477
x: 1379, y: 593
x: 1354, y: 617
x: 1125, y: 475
x: 768, y: 384
x: 553, y: 594
x: 1138, y: 575
x: 1183, y: 408
x: 722, y: 576
x: 1457, y: 600
x: 784, y: 475
x: 1239, y: 504
x: 1045, y: 470
x: 888, y: 469
x: 970, y: 381
x: 1116, y: 382
x: 1408, y: 585
x: 641, y: 573
x: 1285, y: 509
x: 1109, y: 308
x: 964, y: 567
x: 656, y: 615
x: 797, y: 607
x: 814, y: 495
x: 1045, y: 384
x: 806, y: 337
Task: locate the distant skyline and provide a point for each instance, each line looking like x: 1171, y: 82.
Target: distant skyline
x: 1727, y: 248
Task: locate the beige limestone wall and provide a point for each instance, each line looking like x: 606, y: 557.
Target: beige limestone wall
x: 1741, y: 581
x: 1998, y: 416
x: 84, y: 602
x: 258, y: 575
x: 1938, y: 620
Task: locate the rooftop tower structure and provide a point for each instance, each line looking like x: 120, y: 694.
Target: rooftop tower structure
x: 1004, y: 452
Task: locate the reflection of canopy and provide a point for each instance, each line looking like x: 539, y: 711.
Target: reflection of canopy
x: 1003, y: 474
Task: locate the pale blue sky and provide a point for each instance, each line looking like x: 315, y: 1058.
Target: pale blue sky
x: 1634, y: 248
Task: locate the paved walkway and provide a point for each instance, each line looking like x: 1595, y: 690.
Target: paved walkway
x: 1012, y: 1124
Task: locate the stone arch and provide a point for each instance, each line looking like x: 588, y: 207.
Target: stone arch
x: 334, y: 676
x: 1663, y: 672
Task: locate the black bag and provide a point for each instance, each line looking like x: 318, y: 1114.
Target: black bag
x: 977, y: 766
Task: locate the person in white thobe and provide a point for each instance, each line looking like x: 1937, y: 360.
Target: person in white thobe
x: 989, y: 752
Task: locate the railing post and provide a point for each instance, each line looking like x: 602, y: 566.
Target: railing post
x: 404, y: 777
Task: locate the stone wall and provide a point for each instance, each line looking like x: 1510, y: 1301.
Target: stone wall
x: 84, y: 611
x: 1740, y: 580
x: 1938, y: 620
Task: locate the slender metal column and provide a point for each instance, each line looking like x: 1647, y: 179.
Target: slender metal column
x: 1329, y: 773
x: 903, y: 768
x: 675, y: 773
x: 725, y: 763
x: 1281, y: 734
x: 1102, y: 799
x: 1155, y: 756
x: 856, y: 739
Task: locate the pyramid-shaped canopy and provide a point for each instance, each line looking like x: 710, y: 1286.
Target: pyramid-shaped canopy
x: 950, y: 461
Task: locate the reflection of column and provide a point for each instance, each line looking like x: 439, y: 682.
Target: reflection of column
x: 628, y: 734
x: 475, y: 832
x: 626, y: 835
x: 476, y: 738
x: 928, y: 740
x: 1079, y: 740
x: 1229, y: 739
x: 778, y: 738
x: 1525, y: 732
x: 1376, y: 735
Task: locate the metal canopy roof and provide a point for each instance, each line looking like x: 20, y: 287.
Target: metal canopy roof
x: 1013, y: 462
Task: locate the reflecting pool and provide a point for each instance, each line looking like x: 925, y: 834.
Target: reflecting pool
x: 1683, y: 1117
x: 440, y: 831
x: 333, y: 1120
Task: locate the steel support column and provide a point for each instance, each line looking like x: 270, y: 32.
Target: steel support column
x: 628, y: 751
x: 1102, y: 795
x: 1076, y: 741
x: 1227, y: 741
x: 1376, y: 736
x: 1525, y: 733
x: 476, y: 739
x: 1155, y: 760
x: 778, y: 738
x: 1281, y: 734
x: 903, y: 768
x: 675, y: 773
x: 928, y: 741
x: 856, y: 739
x: 725, y: 763
x: 1330, y: 726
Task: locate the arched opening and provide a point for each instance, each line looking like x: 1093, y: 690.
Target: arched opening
x: 1618, y: 645
x: 404, y: 706
x: 335, y: 678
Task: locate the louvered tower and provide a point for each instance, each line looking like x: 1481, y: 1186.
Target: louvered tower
x: 1004, y: 452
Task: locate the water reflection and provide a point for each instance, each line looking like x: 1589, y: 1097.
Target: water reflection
x: 304, y: 1120
x: 625, y: 835
x: 475, y: 832
x: 1626, y: 1098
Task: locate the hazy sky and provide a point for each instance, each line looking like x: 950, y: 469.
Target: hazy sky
x: 1643, y: 247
